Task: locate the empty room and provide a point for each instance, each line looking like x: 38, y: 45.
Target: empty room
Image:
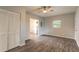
x: 39, y: 29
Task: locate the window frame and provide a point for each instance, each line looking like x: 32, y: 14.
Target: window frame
x: 56, y: 23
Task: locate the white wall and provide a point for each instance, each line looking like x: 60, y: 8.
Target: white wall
x: 77, y: 26
x: 67, y: 26
x: 23, y: 26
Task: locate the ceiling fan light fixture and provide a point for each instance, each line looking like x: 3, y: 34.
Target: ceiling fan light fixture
x: 44, y: 11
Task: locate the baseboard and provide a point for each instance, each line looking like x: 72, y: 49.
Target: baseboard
x: 12, y: 49
x: 56, y: 36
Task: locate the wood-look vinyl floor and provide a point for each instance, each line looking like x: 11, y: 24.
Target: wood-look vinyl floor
x: 48, y: 43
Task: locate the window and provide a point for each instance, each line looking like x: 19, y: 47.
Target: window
x: 56, y: 23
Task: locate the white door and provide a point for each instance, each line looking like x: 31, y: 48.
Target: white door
x: 14, y: 30
x: 9, y: 30
x: 3, y: 30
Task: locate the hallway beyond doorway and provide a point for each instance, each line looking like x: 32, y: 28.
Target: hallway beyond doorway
x: 34, y: 28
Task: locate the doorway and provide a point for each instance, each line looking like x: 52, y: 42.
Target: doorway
x: 34, y: 28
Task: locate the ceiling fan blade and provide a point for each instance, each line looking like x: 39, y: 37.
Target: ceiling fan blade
x: 49, y: 6
x: 35, y: 10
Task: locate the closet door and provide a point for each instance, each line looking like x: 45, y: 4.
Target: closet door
x: 3, y: 30
x: 14, y: 30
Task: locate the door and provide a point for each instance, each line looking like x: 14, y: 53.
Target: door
x: 3, y: 30
x: 9, y: 30
x: 14, y: 30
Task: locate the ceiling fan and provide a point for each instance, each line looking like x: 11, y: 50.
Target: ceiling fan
x: 44, y: 9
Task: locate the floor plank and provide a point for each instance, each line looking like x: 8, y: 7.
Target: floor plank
x: 48, y: 43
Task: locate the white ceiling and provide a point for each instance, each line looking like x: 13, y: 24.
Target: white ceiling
x: 58, y: 10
